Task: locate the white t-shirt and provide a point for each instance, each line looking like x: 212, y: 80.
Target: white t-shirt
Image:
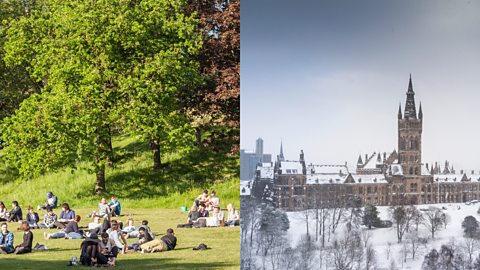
x: 115, y: 237
x: 93, y: 225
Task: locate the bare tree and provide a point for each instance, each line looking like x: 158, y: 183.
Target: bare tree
x: 347, y: 252
x: 370, y: 257
x: 434, y: 220
x: 415, y: 242
x: 366, y: 236
x: 306, y: 251
x: 389, y: 247
x: 470, y: 245
x: 401, y: 217
x: 417, y: 217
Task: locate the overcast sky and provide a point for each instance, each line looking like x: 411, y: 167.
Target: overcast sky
x: 328, y: 76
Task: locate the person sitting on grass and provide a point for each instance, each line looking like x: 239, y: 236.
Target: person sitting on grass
x: 129, y: 227
x: 90, y: 252
x: 109, y: 249
x: 116, y: 235
x: 115, y: 207
x: 50, y: 202
x: 202, y: 198
x: 67, y: 215
x: 216, y: 218
x: 103, y: 209
x: 213, y: 201
x: 233, y: 217
x: 26, y: 246
x: 6, y: 240
x: 3, y: 212
x: 49, y: 219
x: 71, y: 231
x: 15, y: 214
x: 95, y: 226
x: 32, y: 218
x: 167, y: 242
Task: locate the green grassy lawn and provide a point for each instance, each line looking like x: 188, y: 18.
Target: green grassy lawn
x: 224, y: 243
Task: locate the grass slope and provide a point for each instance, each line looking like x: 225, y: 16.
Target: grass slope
x: 132, y: 179
x: 224, y: 243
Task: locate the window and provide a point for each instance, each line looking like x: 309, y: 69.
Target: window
x: 360, y: 190
x: 298, y: 191
x: 369, y: 190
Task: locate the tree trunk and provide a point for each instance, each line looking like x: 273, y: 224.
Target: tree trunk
x: 110, y: 158
x: 100, y: 178
x: 198, y: 136
x: 155, y: 147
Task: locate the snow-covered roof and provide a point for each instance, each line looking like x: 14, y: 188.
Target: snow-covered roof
x: 425, y: 171
x: 316, y: 178
x: 266, y: 172
x: 369, y: 178
x: 267, y: 164
x: 372, y: 162
x: 455, y: 177
x: 291, y: 167
x: 328, y: 169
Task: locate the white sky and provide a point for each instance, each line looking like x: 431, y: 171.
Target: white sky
x: 327, y: 77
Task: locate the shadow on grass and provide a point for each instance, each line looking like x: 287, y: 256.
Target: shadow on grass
x: 194, y: 170
x: 122, y: 263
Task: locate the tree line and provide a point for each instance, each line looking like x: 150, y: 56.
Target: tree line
x: 76, y: 73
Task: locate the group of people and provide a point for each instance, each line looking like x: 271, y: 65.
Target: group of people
x: 206, y: 212
x: 95, y: 250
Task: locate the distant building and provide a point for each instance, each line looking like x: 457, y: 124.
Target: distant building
x: 381, y: 179
x: 250, y: 159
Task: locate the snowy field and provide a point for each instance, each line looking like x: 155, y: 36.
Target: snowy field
x: 384, y: 239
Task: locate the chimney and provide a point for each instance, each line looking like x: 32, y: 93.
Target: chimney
x: 461, y: 171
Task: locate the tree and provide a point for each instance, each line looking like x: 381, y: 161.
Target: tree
x: 214, y: 107
x: 401, y: 217
x: 470, y: 245
x: 370, y: 216
x: 470, y: 226
x: 370, y: 257
x: 476, y: 264
x: 434, y: 220
x: 15, y: 81
x: 97, y: 61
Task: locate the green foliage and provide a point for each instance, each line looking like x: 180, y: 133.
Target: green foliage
x: 132, y: 179
x: 104, y: 65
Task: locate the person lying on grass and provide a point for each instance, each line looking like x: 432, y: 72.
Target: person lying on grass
x: 167, y: 242
x: 95, y: 226
x: 144, y: 237
x: 71, y: 231
x: 26, y: 246
x: 6, y: 240
x: 49, y: 219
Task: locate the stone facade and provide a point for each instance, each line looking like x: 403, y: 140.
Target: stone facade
x: 380, y: 179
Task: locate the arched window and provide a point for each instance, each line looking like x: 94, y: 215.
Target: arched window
x: 416, y: 171
x: 411, y: 170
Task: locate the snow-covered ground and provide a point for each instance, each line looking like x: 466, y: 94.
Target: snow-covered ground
x: 381, y: 237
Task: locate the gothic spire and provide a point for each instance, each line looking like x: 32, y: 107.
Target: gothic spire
x: 400, y: 111
x: 282, y: 158
x: 410, y: 111
x: 420, y: 113
x: 359, y: 159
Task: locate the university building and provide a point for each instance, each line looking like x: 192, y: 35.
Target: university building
x: 379, y: 178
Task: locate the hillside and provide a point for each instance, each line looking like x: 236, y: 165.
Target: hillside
x: 132, y: 179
